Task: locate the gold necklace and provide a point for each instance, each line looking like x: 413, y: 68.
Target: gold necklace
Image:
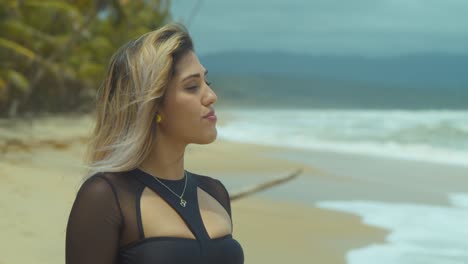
x: 182, y: 201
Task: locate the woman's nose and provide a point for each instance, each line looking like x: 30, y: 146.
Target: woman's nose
x: 210, y: 97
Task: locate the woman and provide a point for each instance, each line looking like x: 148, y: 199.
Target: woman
x: 140, y: 205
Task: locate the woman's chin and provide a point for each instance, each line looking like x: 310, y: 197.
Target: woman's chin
x: 207, y: 139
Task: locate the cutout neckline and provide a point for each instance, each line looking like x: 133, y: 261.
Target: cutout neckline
x: 196, y: 227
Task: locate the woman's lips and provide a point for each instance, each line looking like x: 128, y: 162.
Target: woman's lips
x: 211, y: 117
x: 209, y: 114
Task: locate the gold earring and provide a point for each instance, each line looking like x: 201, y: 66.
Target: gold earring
x: 158, y: 118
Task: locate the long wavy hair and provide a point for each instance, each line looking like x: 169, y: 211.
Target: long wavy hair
x: 129, y: 97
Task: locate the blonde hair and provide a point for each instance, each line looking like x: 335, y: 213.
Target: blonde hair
x: 133, y: 89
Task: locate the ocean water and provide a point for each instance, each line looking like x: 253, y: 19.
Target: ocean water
x: 423, y: 234
x: 425, y: 135
x: 418, y: 233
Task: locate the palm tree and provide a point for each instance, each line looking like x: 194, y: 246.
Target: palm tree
x: 53, y: 53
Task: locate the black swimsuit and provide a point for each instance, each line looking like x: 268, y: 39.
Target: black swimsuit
x: 105, y: 225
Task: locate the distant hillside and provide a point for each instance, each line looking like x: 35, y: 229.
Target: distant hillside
x: 423, y: 70
x: 285, y: 80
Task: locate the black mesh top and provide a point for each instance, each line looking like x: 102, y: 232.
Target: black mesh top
x: 129, y: 217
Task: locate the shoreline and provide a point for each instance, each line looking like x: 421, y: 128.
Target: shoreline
x: 282, y: 232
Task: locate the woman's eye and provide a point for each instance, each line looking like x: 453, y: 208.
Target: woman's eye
x: 192, y: 88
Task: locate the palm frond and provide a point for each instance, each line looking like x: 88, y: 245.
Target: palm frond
x: 59, y: 5
x: 17, y: 28
x: 18, y: 80
x: 17, y: 48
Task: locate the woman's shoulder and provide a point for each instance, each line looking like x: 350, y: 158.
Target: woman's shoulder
x: 98, y: 180
x: 97, y: 185
x: 115, y: 179
x: 111, y: 184
x: 106, y: 190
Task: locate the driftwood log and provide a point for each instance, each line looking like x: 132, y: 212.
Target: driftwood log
x: 264, y: 185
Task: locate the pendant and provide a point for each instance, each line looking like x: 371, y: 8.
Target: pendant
x: 182, y: 202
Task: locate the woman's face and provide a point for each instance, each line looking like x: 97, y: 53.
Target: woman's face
x: 188, y: 100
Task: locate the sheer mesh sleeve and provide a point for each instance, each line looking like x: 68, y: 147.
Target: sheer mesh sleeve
x: 93, y: 227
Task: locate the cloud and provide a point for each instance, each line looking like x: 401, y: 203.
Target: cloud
x: 368, y: 27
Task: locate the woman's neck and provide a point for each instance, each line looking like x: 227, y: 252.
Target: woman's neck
x: 166, y: 160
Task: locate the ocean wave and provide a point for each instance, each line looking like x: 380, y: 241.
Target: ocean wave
x: 434, y: 136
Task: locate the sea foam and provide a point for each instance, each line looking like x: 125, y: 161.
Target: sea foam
x: 418, y: 233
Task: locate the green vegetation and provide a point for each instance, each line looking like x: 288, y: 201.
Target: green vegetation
x: 53, y: 54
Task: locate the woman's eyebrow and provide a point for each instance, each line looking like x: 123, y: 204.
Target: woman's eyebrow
x: 194, y: 75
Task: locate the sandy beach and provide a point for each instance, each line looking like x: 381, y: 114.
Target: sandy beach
x: 40, y: 174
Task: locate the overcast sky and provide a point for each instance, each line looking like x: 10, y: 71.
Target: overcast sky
x: 364, y: 27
